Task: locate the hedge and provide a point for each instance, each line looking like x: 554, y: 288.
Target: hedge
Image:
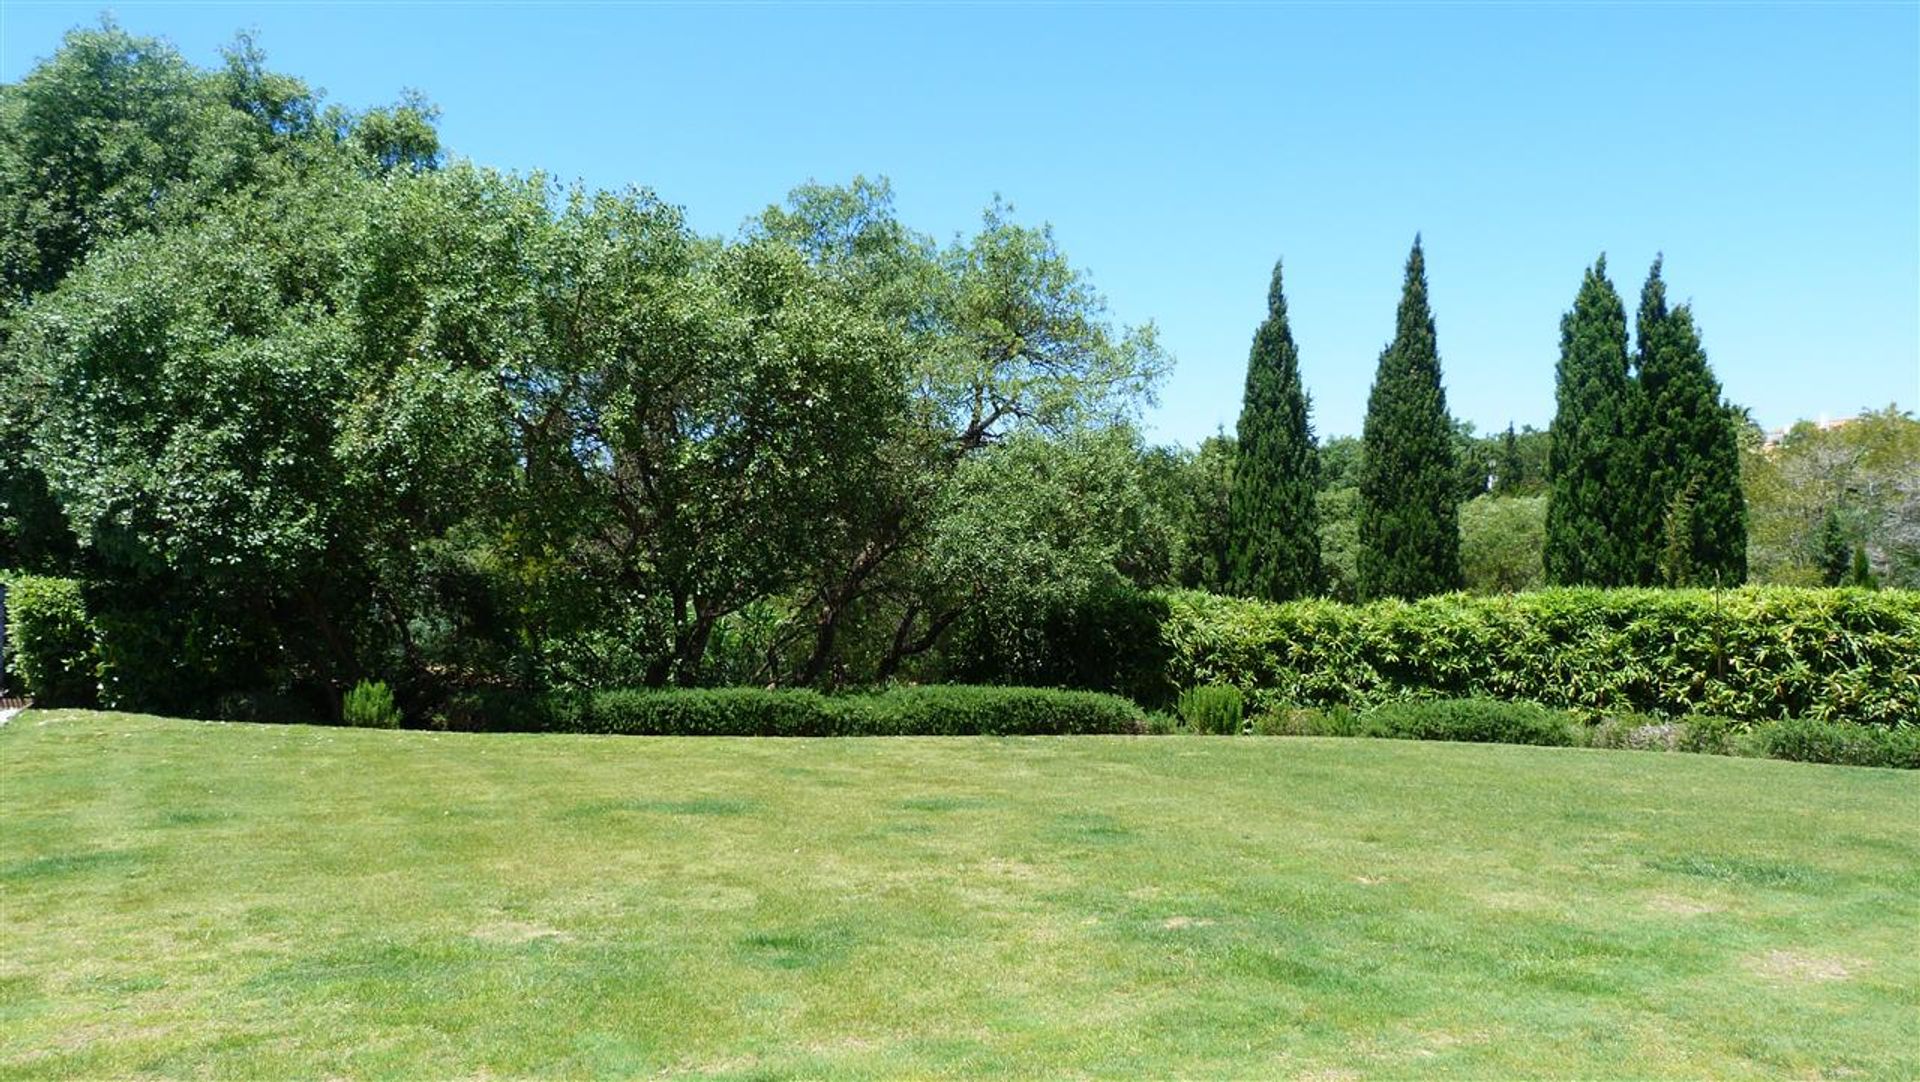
x: 931, y: 710
x: 52, y: 647
x: 1752, y: 654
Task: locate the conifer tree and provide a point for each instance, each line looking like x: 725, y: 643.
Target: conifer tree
x: 1597, y: 524
x: 1689, y: 441
x: 1509, y: 468
x: 1409, y: 519
x: 1273, y: 536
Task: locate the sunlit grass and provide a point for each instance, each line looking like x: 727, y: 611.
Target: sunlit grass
x: 180, y: 898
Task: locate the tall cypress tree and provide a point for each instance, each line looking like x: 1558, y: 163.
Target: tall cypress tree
x: 1597, y: 529
x: 1273, y: 533
x: 1509, y: 468
x: 1409, y: 520
x: 1689, y: 442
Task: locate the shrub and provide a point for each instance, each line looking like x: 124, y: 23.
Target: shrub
x: 1214, y: 708
x: 1708, y: 735
x: 930, y: 710
x: 1749, y: 655
x: 965, y: 710
x: 1476, y: 721
x: 369, y: 705
x: 1307, y: 721
x: 53, y: 648
x: 272, y: 707
x: 1810, y: 741
x: 1635, y: 732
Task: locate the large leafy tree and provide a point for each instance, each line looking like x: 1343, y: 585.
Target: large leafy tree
x: 1598, y: 532
x: 118, y: 136
x: 1691, y: 445
x: 1006, y: 340
x: 1273, y: 536
x: 1409, y: 478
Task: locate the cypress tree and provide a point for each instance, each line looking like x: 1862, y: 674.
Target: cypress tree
x: 1836, y: 555
x: 1598, y: 532
x: 1690, y: 442
x: 1509, y: 468
x: 1409, y: 519
x: 1273, y: 533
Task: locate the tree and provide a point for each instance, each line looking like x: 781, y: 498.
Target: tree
x: 1409, y: 479
x: 1596, y: 530
x: 1863, y: 472
x: 1500, y: 539
x: 1690, y: 444
x: 1835, y: 552
x: 1509, y: 469
x: 1273, y: 542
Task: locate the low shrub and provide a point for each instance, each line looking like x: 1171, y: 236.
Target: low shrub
x: 929, y: 710
x: 1307, y: 721
x: 53, y: 648
x: 271, y: 707
x: 1809, y: 741
x: 1215, y: 709
x: 968, y: 710
x: 1709, y: 735
x: 1477, y: 721
x: 370, y: 705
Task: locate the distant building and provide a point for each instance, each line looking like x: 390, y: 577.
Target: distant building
x: 1823, y: 423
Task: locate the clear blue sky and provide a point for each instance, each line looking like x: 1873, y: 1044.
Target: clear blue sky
x: 1772, y: 152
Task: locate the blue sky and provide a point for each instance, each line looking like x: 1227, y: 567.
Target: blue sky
x: 1771, y: 151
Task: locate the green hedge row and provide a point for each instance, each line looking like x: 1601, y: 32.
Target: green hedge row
x: 1487, y: 722
x: 1752, y: 654
x: 932, y: 710
x: 52, y: 647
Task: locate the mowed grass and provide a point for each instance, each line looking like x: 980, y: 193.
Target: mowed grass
x: 190, y: 899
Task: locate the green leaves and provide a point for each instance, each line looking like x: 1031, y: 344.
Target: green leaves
x: 1273, y: 538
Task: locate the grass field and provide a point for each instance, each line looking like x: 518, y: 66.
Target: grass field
x: 180, y: 898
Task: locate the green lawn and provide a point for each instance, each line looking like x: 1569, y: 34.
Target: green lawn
x: 181, y: 898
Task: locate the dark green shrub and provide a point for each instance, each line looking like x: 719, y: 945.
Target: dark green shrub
x: 713, y: 712
x: 1750, y: 655
x: 1478, y: 721
x: 369, y: 705
x: 1809, y: 741
x: 964, y: 710
x: 931, y: 710
x: 1214, y: 709
x: 53, y: 648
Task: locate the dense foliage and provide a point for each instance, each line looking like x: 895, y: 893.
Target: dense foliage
x: 1749, y: 654
x: 1596, y: 520
x: 52, y: 647
x: 1690, y: 447
x: 930, y: 710
x: 1409, y: 526
x: 1273, y: 538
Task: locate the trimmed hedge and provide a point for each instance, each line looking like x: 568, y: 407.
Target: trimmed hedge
x: 52, y: 647
x: 1753, y: 654
x: 931, y: 710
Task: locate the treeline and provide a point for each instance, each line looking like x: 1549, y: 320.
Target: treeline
x: 297, y: 400
x: 1641, y: 474
x: 300, y: 401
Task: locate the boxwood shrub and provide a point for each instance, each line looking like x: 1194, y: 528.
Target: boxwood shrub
x: 1750, y: 655
x: 931, y: 710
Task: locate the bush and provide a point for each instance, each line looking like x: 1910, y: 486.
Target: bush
x: 930, y: 710
x: 370, y: 706
x: 1477, y: 721
x: 53, y: 648
x: 1750, y: 655
x: 1307, y: 721
x: 1810, y: 741
x: 1214, y: 708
